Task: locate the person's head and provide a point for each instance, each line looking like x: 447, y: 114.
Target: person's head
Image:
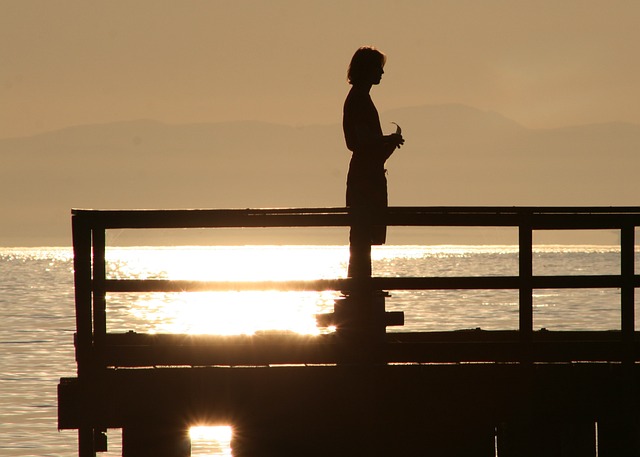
x: 366, y: 66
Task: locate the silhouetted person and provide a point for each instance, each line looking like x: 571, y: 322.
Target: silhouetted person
x: 366, y: 181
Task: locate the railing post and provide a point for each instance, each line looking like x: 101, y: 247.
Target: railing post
x: 627, y: 292
x: 86, y: 446
x: 525, y: 267
x: 99, y: 293
x: 81, y: 232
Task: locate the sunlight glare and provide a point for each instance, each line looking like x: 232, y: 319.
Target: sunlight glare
x: 228, y: 263
x: 236, y: 313
x: 231, y: 312
x: 211, y: 440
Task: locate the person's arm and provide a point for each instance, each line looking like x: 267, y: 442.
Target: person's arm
x: 362, y: 128
x: 370, y: 139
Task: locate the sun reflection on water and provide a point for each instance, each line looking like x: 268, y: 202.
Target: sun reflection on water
x: 231, y: 313
x: 234, y: 313
x: 225, y: 313
x: 228, y: 263
x: 211, y: 440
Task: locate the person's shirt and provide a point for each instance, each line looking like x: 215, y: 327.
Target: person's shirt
x: 361, y: 125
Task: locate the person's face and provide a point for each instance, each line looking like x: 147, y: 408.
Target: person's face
x: 376, y: 75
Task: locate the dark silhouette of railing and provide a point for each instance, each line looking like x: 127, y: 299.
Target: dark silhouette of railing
x: 360, y: 318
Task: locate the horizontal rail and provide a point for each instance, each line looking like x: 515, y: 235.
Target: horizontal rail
x: 541, y: 217
x: 162, y: 285
x: 377, y: 283
x: 132, y: 349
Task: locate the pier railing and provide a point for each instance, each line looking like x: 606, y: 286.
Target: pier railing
x: 351, y: 392
x: 96, y: 345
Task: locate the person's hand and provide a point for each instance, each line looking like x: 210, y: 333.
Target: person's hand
x: 396, y: 139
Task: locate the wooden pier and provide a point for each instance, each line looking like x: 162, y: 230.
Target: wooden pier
x: 360, y: 390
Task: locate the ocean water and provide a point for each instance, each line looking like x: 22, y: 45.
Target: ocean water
x: 37, y: 311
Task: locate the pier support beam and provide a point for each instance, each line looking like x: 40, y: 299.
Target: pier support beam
x: 547, y: 437
x: 619, y: 436
x: 156, y: 440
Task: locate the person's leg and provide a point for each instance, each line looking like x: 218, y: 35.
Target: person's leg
x: 359, y: 252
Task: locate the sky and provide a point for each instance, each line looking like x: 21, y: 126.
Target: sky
x: 542, y: 63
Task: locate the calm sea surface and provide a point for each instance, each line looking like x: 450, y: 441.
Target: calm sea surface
x: 37, y: 311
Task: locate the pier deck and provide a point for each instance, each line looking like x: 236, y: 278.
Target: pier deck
x: 360, y: 390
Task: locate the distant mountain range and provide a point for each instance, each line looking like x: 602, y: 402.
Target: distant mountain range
x: 454, y: 155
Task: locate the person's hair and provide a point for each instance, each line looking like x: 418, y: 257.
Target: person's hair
x: 365, y: 60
